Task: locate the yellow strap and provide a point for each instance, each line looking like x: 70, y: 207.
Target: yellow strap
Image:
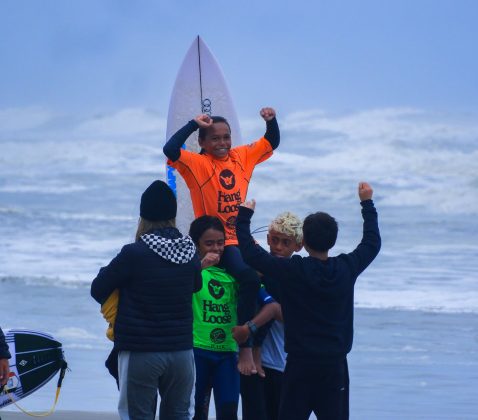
x: 45, y: 414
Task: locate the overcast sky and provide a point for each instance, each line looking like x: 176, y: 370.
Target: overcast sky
x: 99, y: 56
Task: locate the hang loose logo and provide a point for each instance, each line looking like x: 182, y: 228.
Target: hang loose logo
x: 215, y: 289
x: 227, y: 179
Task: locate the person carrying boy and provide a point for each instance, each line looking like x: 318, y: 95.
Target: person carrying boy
x: 261, y: 393
x: 317, y: 305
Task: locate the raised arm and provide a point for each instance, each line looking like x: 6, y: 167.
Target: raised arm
x: 272, y: 134
x: 172, y: 148
x: 370, y: 244
x: 253, y: 254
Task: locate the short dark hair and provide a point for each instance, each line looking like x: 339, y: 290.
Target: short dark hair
x: 203, y: 223
x: 215, y: 119
x: 320, y: 231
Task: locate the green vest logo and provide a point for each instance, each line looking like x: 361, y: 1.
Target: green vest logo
x: 217, y: 336
x: 215, y: 289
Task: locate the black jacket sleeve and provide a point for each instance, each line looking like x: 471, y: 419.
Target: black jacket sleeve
x: 111, y: 277
x: 172, y: 148
x: 369, y: 246
x: 4, y: 353
x: 254, y: 255
x: 272, y: 134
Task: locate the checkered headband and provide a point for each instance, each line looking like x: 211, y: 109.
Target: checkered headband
x: 178, y: 251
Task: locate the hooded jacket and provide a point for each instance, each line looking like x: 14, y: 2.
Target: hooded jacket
x: 317, y: 296
x: 156, y: 278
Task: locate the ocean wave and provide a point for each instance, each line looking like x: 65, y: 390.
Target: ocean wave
x: 86, y: 346
x: 42, y: 188
x: 411, y: 156
x: 422, y: 167
x: 433, y: 299
x: 75, y: 333
x: 52, y: 159
x: 94, y: 217
x: 11, y: 210
x: 71, y: 282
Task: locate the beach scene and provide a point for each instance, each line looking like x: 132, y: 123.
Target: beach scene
x: 383, y: 93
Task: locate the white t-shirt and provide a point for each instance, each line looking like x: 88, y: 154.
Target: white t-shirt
x: 273, y: 353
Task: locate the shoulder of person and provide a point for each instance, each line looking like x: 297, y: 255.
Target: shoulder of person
x: 133, y: 248
x: 345, y: 259
x: 294, y: 263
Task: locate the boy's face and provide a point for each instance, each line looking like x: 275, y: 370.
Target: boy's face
x: 217, y: 141
x: 282, y: 245
x: 211, y: 240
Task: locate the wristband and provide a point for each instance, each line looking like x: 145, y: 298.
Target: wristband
x: 252, y: 327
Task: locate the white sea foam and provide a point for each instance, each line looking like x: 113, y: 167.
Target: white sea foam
x: 431, y: 299
x: 124, y: 123
x: 95, y: 217
x: 10, y: 210
x: 414, y: 156
x: 30, y: 159
x: 75, y: 333
x: 69, y: 191
x: 45, y: 187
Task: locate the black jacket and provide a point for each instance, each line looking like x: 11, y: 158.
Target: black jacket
x: 156, y: 277
x: 317, y: 297
x: 4, y: 353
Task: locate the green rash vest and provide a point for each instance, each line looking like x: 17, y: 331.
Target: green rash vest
x: 215, y: 311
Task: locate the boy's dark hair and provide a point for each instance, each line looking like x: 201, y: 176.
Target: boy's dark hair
x: 320, y: 231
x: 203, y: 223
x: 215, y: 119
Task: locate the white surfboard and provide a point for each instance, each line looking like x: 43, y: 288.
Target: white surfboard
x: 200, y: 88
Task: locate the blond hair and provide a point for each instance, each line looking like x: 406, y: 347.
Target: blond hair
x: 144, y: 226
x: 288, y: 224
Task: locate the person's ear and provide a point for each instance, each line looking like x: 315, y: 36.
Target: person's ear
x: 268, y: 240
x: 298, y: 246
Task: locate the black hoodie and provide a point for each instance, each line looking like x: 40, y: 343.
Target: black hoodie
x: 317, y: 296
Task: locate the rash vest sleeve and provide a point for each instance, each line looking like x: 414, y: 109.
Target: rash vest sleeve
x: 172, y: 148
x: 272, y: 134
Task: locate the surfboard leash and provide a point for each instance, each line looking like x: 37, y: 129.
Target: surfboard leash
x: 260, y: 229
x: 63, y: 369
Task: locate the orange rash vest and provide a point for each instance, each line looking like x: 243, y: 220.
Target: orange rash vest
x: 218, y: 186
